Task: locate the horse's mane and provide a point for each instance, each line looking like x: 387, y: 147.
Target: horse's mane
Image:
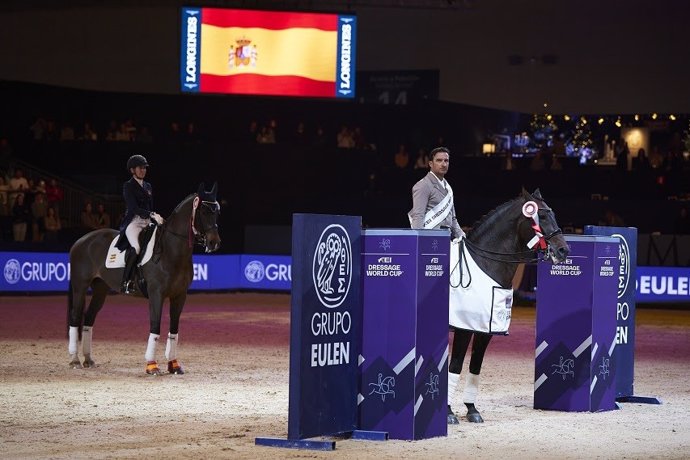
x: 179, y: 205
x: 491, y: 214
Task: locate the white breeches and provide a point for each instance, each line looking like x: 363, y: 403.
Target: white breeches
x: 134, y: 229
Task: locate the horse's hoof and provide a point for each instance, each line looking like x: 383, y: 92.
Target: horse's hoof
x: 452, y: 418
x: 88, y: 363
x: 152, y: 368
x: 474, y: 417
x: 175, y: 368
x: 75, y: 364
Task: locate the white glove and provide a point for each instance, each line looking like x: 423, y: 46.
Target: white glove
x: 157, y: 218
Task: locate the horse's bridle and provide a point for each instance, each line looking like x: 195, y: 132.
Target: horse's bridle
x: 521, y: 256
x: 199, y: 236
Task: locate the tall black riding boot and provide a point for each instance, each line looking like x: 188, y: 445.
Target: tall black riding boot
x: 130, y: 262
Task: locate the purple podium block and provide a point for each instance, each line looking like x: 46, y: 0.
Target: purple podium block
x: 576, y: 327
x: 404, y: 361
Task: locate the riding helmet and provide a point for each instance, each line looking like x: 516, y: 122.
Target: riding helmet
x: 136, y: 160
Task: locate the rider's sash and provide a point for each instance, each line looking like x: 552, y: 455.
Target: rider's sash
x: 438, y: 213
x: 482, y: 306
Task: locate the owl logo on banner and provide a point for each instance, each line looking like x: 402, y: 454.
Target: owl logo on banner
x: 242, y: 55
x: 624, y: 273
x: 332, y: 267
x: 12, y: 269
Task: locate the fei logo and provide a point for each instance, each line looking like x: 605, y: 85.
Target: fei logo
x: 12, y: 269
x: 254, y: 271
x: 624, y: 270
x: 332, y: 266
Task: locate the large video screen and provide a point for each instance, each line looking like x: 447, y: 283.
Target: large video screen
x: 267, y: 53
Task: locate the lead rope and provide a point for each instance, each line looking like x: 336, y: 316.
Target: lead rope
x: 461, y: 258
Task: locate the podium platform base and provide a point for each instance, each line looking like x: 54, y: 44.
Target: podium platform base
x: 639, y: 399
x: 311, y: 444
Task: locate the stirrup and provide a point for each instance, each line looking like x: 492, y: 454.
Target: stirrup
x: 128, y: 287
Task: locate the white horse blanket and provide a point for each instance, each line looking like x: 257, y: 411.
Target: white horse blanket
x: 116, y: 258
x: 477, y: 302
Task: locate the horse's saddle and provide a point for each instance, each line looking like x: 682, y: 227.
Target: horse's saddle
x: 147, y: 239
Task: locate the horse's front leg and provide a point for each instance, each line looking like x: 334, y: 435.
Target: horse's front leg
x: 176, y: 306
x: 479, y: 345
x: 155, y: 313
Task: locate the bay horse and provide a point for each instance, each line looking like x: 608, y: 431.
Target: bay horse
x: 513, y: 233
x: 168, y: 275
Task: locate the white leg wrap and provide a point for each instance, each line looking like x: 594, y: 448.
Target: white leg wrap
x: 171, y: 347
x: 471, y: 388
x: 73, y: 340
x: 151, y: 348
x: 453, y: 380
x: 86, y: 336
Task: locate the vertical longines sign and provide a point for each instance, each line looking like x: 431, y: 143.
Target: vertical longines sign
x: 325, y: 325
x: 625, y: 308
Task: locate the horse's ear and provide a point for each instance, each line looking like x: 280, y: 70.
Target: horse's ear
x: 214, y: 189
x: 201, y: 189
x: 525, y: 194
x: 537, y: 194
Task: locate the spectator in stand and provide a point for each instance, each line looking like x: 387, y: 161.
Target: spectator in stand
x: 402, y: 157
x: 641, y: 161
x: 300, y: 134
x: 39, y: 210
x: 54, y: 195
x: 123, y: 133
x: 613, y: 219
x: 51, y: 133
x: 4, y: 197
x: 66, y: 133
x: 537, y: 163
x: 88, y: 218
x: 18, y: 185
x: 144, y: 135
x: 253, y: 131
x: 38, y: 129
x: 622, y: 154
x: 359, y: 139
x: 21, y: 218
x: 88, y: 134
x: 266, y: 136
x: 51, y: 224
x: 192, y: 134
x: 102, y: 217
x: 345, y: 139
x: 111, y: 132
x: 320, y: 139
x: 422, y: 161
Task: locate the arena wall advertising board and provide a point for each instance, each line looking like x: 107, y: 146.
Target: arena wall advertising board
x: 274, y: 53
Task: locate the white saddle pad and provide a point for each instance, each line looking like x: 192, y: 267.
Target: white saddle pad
x: 116, y: 258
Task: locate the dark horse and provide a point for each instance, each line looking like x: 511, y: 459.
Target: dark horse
x: 513, y: 233
x: 168, y: 275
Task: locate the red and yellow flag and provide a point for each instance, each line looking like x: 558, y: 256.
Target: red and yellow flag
x: 264, y: 52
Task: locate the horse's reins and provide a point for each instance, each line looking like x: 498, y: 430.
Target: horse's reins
x: 541, y: 245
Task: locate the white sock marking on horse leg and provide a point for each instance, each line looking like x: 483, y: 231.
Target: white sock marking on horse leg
x: 453, y: 380
x: 86, y: 336
x: 471, y: 388
x: 73, y: 339
x: 151, y: 347
x: 171, y: 347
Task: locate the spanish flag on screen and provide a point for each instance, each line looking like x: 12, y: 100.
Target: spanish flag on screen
x: 267, y: 52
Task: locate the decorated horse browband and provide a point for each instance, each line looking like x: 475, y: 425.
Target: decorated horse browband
x: 531, y: 210
x: 214, y: 206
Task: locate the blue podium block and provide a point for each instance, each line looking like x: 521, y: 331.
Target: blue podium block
x: 576, y: 327
x: 404, y: 362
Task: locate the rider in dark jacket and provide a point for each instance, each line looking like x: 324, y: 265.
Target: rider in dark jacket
x: 138, y: 195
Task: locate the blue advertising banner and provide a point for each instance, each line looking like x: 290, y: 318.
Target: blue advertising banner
x: 49, y: 272
x: 265, y: 272
x: 325, y: 325
x: 663, y: 284
x: 625, y: 311
x: 190, y: 50
x: 346, y: 58
x: 576, y: 327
